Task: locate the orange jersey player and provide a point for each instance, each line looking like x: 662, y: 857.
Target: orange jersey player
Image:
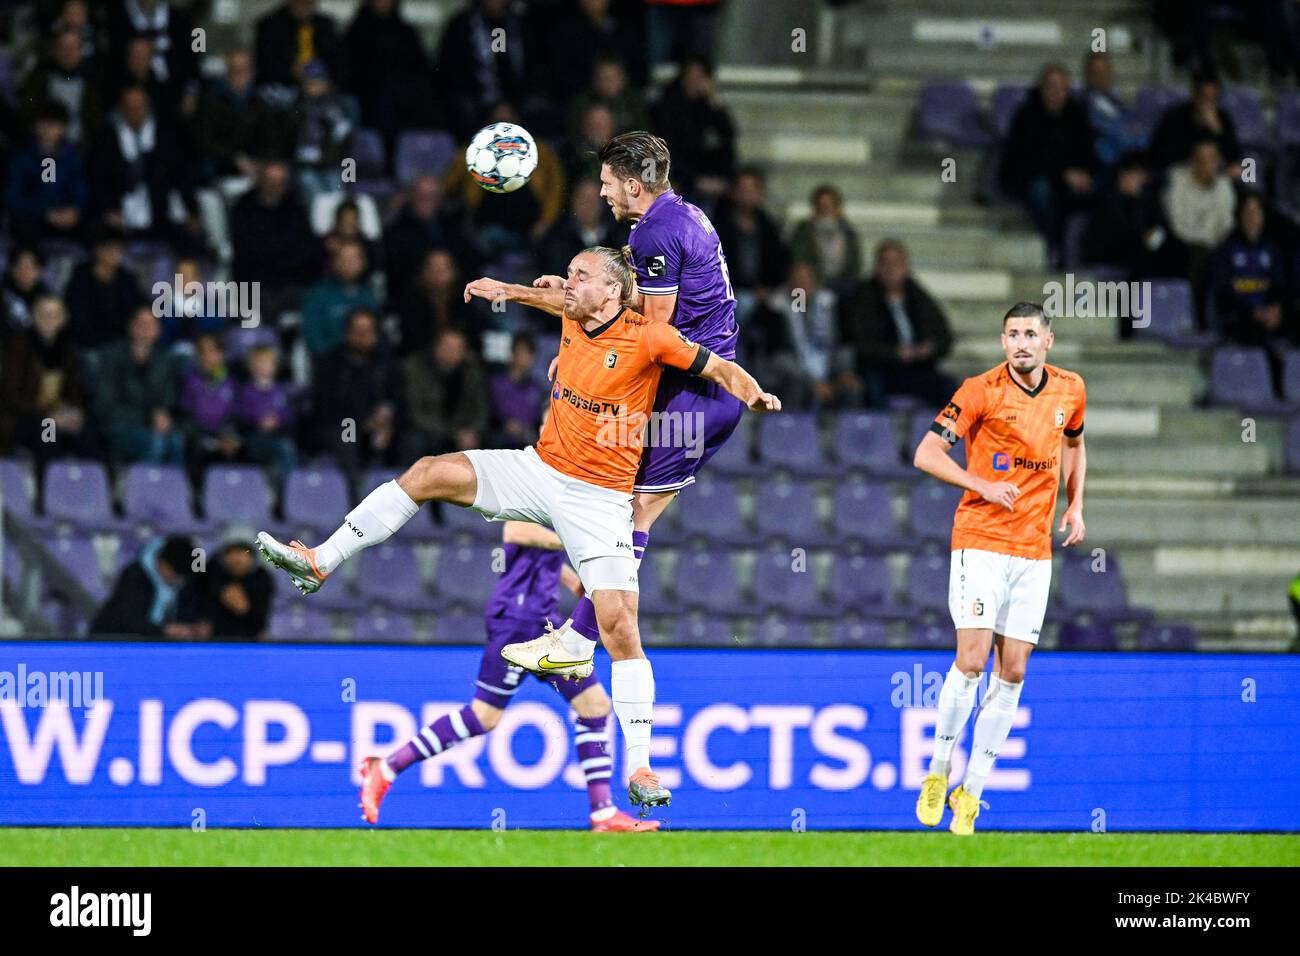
x: 1023, y: 423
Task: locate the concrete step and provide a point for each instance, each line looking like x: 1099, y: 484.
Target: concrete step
x: 1174, y: 385
x: 962, y: 247
x: 1140, y: 521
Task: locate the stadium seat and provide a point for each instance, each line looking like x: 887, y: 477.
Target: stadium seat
x: 709, y: 632
x: 774, y: 632
x: 931, y: 507
x: 861, y: 584
x: 786, y: 511
x: 75, y: 554
x: 384, y: 627
x: 1291, y: 378
x: 240, y: 341
x: 324, y: 208
x: 337, y: 595
x: 76, y: 491
x: 653, y: 599
x: 710, y: 511
x: 860, y: 634
x: 159, y: 496
x: 463, y: 628
x: 1171, y: 316
x: 372, y: 163
x: 1101, y: 595
x: 299, y: 623
x: 921, y: 422
x: 927, y: 581
x: 950, y: 111
x: 1246, y: 109
x: 706, y: 580
x: 1151, y: 103
x: 735, y: 458
x: 778, y: 587
x: 16, y: 489
x: 1087, y: 637
x: 868, y: 441
x: 931, y: 636
x: 792, y: 441
x: 466, y: 576
x: 422, y: 152
x: 862, y: 512
x: 390, y: 573
x: 315, y: 499
x: 1006, y: 100
x: 1167, y: 637
x: 456, y: 522
x: 237, y: 494
x: 1288, y: 119
x: 1240, y: 376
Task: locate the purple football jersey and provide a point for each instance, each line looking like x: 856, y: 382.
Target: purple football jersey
x: 526, y: 588
x: 675, y: 249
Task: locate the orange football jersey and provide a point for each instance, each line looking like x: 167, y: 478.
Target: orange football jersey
x: 603, y: 393
x: 1012, y: 434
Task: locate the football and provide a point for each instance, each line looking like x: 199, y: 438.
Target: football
x: 501, y: 157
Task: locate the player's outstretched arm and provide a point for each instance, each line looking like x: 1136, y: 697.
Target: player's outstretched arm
x: 933, y: 457
x: 740, y: 384
x: 547, y: 299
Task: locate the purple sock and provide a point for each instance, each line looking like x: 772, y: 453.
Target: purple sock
x: 592, y: 737
x: 447, y: 731
x: 583, y: 619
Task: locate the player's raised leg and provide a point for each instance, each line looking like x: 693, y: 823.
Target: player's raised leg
x: 956, y: 700
x: 377, y: 518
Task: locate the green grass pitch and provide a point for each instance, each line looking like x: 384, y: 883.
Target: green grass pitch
x: 149, y: 847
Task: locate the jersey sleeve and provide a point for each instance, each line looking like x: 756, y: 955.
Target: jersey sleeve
x: 657, y: 257
x: 1074, y: 424
x: 964, y: 409
x: 666, y: 346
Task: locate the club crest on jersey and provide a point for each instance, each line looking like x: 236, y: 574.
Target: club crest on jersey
x: 656, y: 266
x: 977, y: 608
x: 611, y: 359
x: 1060, y: 417
x: 951, y: 411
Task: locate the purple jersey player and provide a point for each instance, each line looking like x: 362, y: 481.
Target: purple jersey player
x: 522, y: 603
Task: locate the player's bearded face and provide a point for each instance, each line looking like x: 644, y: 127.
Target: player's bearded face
x: 1026, y: 342
x: 615, y: 192
x: 587, y: 288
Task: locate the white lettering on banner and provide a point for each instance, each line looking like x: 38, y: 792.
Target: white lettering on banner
x: 555, y: 746
x: 855, y: 755
x: 151, y: 742
x: 462, y: 758
x: 369, y: 715
x: 55, y: 730
x: 916, y: 746
x: 205, y: 710
x: 781, y: 720
x: 695, y: 747
x: 662, y: 746
x: 259, y: 751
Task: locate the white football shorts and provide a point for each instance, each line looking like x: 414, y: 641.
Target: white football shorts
x: 1002, y: 592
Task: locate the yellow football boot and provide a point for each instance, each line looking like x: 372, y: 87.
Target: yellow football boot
x: 965, y: 809
x: 929, y: 805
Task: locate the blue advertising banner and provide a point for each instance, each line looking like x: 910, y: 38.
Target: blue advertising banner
x: 270, y: 736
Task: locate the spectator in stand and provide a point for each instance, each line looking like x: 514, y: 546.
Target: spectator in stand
x: 395, y: 97
x: 757, y: 259
x: 1250, y: 295
x: 680, y: 28
x: 356, y: 397
x: 828, y: 242
x: 1115, y: 128
x: 434, y: 301
x: 236, y: 592
x: 233, y: 120
x: 793, y: 337
x: 518, y: 397
x: 1188, y: 123
x: 1199, y: 204
x: 419, y: 228
x: 290, y: 37
x: 323, y: 125
x: 272, y: 239
x: 208, y: 401
x: 1048, y: 160
x: 347, y: 228
x: 168, y: 30
x: 136, y: 69
x: 42, y: 407
x: 22, y: 286
x: 478, y: 73
x: 69, y: 79
x: 147, y: 598
x: 264, y: 412
x: 897, y: 332
x: 41, y: 207
x: 579, y: 155
x: 499, y: 228
x: 102, y: 293
x: 592, y: 33
x: 184, y: 309
x: 700, y: 130
x: 609, y: 87
x: 446, y: 398
x: 74, y: 15
x: 135, y: 392
x: 328, y: 303
x: 589, y: 223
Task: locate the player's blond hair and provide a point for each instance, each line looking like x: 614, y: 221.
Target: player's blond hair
x: 618, y: 268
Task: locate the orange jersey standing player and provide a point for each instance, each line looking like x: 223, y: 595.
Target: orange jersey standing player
x: 577, y: 480
x: 1023, y: 424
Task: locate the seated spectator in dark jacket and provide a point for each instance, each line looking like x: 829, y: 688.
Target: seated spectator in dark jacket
x: 1047, y: 158
x: 1186, y: 124
x: 208, y: 401
x: 236, y: 594
x: 135, y: 394
x: 272, y: 239
x: 1127, y: 228
x: 420, y: 227
x: 147, y: 599
x: 290, y: 37
x: 329, y: 302
x: 596, y: 127
x: 699, y: 127
x: 588, y: 223
x: 757, y: 259
x: 184, y: 308
x: 434, y: 301
x: 102, y: 293
x: 42, y: 407
x: 590, y: 35
x: 356, y: 397
x: 396, y: 97
x: 347, y: 228
x: 234, y: 120
x: 897, y: 333
x: 168, y: 30
x: 69, y: 79
x: 323, y: 121
x: 22, y: 286
x: 518, y: 397
x: 264, y: 411
x: 1115, y: 126
x: 46, y: 190
x: 446, y: 398
x: 476, y: 74
x: 609, y: 87
x: 136, y: 68
x: 828, y: 241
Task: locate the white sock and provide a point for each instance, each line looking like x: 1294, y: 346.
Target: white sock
x: 574, y: 642
x: 378, y: 517
x: 997, y: 713
x: 956, y: 700
x: 633, y: 690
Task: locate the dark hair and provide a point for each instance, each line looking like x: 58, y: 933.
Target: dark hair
x: 638, y: 155
x: 750, y: 169
x: 524, y: 339
x: 1133, y: 159
x: 1027, y: 310
x: 51, y: 111
x: 826, y: 189
x: 106, y: 235
x: 889, y: 244
x: 177, y: 552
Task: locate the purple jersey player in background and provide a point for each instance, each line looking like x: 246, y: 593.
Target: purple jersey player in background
x: 522, y: 603
x: 682, y: 279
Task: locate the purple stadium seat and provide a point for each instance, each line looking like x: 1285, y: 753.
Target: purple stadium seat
x: 861, y: 511
x: 1087, y: 637
x: 860, y: 634
x: 237, y: 494
x: 1152, y: 102
x: 921, y: 422
x: 653, y: 600
x: 710, y: 632
x: 457, y: 522
x: 927, y: 581
x: 390, y: 573
x: 930, y: 509
x: 1167, y: 637
x: 1103, y: 595
x: 1247, y: 111
x: 734, y: 458
x: 16, y: 488
x: 869, y: 441
x: 384, y: 627
x: 465, y: 575
x: 372, y: 163
x: 778, y: 587
x: 463, y: 628
x: 159, y: 496
x: 1240, y: 376
x: 1293, y: 447
x: 786, y: 510
x: 299, y: 622
x: 931, y: 636
x: 76, y: 491
x: 75, y: 554
x: 13, y: 573
x: 710, y: 510
x: 336, y: 595
x: 422, y: 152
x: 706, y: 580
x: 792, y: 441
x: 860, y: 584
x: 1171, y: 315
x: 316, y: 498
x: 240, y: 341
x: 1006, y: 100
x: 1288, y: 119
x: 950, y: 111
x: 774, y: 632
x: 1291, y: 377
